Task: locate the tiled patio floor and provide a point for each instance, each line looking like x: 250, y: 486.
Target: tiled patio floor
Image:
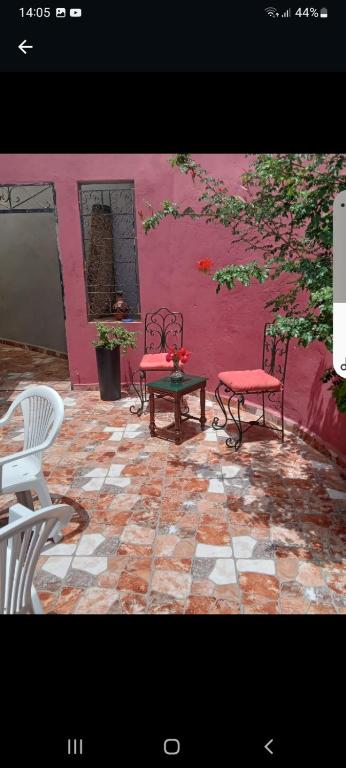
x: 195, y: 528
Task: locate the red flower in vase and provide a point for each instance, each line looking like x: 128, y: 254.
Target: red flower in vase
x: 177, y: 356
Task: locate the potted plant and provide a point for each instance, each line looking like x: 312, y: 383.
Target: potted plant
x: 111, y: 339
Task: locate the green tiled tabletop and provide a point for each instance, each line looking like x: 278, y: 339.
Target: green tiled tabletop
x: 169, y: 386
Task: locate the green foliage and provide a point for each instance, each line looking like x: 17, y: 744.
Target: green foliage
x: 112, y: 336
x: 241, y: 272
x: 284, y: 217
x: 339, y: 394
x: 338, y: 388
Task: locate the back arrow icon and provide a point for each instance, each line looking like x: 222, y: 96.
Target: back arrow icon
x: 22, y: 47
x: 266, y: 746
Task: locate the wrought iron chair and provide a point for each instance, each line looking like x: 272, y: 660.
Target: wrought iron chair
x: 268, y: 380
x: 162, y: 330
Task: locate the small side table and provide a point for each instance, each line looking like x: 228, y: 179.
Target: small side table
x: 166, y: 388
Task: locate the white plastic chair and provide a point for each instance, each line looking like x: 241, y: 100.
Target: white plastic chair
x: 21, y: 544
x: 21, y: 473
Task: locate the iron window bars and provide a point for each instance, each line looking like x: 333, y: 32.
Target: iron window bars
x: 110, y: 246
x: 27, y: 198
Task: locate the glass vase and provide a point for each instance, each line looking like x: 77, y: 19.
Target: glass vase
x: 177, y: 375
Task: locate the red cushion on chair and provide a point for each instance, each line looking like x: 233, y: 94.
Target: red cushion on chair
x: 155, y: 363
x: 249, y: 381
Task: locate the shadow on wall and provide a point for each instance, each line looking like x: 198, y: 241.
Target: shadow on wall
x: 323, y: 415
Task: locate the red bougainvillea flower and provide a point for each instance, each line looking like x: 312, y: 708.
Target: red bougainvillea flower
x: 140, y: 214
x: 204, y: 265
x: 184, y: 355
x: 178, y: 355
x: 170, y: 354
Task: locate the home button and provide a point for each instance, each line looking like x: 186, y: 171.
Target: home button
x: 171, y: 746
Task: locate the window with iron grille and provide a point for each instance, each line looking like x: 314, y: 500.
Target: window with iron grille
x: 110, y: 247
x: 27, y: 198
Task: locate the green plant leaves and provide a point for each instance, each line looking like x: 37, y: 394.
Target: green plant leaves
x: 243, y: 273
x: 112, y: 336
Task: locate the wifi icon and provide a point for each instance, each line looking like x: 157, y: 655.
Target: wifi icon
x: 272, y: 12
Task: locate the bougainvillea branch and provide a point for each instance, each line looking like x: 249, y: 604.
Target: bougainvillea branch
x: 284, y: 217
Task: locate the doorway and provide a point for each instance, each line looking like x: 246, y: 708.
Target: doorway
x: 31, y: 295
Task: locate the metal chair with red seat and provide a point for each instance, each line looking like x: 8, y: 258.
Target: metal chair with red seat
x: 163, y: 329
x: 266, y: 381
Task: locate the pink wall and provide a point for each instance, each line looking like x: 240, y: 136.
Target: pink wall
x: 223, y: 331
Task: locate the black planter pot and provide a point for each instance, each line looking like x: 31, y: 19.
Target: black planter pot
x: 108, y: 369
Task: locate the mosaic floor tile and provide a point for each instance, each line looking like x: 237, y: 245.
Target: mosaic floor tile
x: 98, y: 472
x: 173, y: 564
x: 119, y: 482
x: 216, y: 533
x: 171, y: 583
x: 57, y: 566
x: 95, y: 484
x: 256, y: 566
x: 206, y: 550
x: 185, y: 548
x: 223, y: 572
x: 165, y: 604
x: 210, y: 436
x: 96, y: 600
x: 195, y: 528
x: 287, y: 567
x: 93, y: 565
x: 130, y: 603
x: 243, y: 546
x: 310, y: 575
x: 230, y: 471
x: 58, y: 549
x: 69, y: 401
x: 197, y: 604
x: 116, y: 470
x: 215, y: 486
x: 67, y: 600
x: 258, y: 586
x: 136, y: 575
x: 138, y: 534
x: 48, y: 601
x: 139, y: 550
x: 89, y: 543
x: 293, y: 598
